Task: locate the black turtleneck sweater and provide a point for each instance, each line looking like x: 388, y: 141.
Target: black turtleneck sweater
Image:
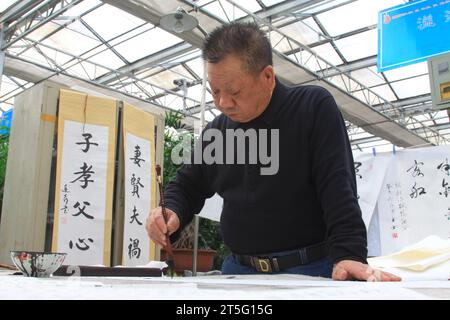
x: 312, y: 198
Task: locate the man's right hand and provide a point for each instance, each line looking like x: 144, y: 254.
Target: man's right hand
x: 156, y: 227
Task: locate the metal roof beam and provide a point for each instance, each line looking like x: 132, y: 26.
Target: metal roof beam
x: 43, y: 13
x: 356, y: 65
x: 330, y: 39
x: 283, y: 8
x: 412, y: 101
x: 149, y: 61
x: 415, y: 105
x: 358, y: 141
x: 18, y: 9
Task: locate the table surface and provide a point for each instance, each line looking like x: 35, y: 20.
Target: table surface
x: 219, y: 287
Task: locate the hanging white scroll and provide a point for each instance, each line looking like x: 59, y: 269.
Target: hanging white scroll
x: 139, y: 183
x: 85, y: 175
x: 414, y: 201
x: 82, y: 201
x: 137, y: 200
x: 370, y: 170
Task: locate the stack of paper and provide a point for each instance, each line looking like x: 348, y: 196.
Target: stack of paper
x: 428, y: 259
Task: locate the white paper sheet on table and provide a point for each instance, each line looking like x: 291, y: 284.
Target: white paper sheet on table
x: 152, y: 264
x: 427, y: 259
x: 37, y: 288
x: 439, y: 273
x: 275, y: 282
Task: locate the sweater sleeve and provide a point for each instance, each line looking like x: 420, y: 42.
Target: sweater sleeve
x: 186, y: 194
x: 335, y: 183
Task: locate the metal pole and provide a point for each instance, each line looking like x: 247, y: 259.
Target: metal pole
x: 2, y: 53
x: 184, y: 87
x: 194, y: 258
x: 196, y: 217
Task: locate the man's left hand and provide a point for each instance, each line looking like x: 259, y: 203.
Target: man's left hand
x: 354, y: 270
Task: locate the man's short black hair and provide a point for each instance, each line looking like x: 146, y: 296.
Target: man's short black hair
x: 245, y: 40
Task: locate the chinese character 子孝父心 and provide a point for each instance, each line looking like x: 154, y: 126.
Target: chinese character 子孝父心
x: 81, y: 244
x: 87, y: 143
x: 84, y: 175
x: 81, y: 210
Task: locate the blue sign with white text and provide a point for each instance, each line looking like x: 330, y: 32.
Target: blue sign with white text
x: 412, y: 33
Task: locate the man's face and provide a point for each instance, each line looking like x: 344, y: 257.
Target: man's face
x: 240, y: 95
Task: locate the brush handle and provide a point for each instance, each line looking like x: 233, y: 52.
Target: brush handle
x: 7, y: 267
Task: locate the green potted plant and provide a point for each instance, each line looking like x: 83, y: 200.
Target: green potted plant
x: 209, y: 244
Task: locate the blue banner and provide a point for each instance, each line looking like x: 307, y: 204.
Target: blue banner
x: 412, y: 33
x: 5, y: 121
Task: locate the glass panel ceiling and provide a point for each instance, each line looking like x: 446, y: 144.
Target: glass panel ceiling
x: 305, y: 31
x: 407, y: 72
x: 327, y: 52
x: 82, y: 7
x: 166, y: 78
x: 107, y: 57
x: 100, y: 21
x: 195, y: 93
x: 4, y: 4
x: 10, y: 87
x: 224, y: 10
x: 385, y: 92
x: 34, y: 55
x: 146, y: 43
x: 118, y: 39
x: 144, y: 74
x: 44, y: 30
x: 359, y: 46
x: 269, y: 3
x: 412, y: 87
x: 353, y: 16
x: 323, y: 6
x: 130, y: 34
x: 250, y: 5
x: 87, y: 70
x: 73, y: 40
x: 196, y: 65
x: 368, y: 76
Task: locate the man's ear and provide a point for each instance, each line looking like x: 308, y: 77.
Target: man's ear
x: 269, y: 75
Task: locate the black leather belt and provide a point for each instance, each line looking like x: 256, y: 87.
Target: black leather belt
x: 278, y: 263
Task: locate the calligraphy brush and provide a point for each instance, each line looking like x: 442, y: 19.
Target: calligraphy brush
x: 168, y: 248
x: 7, y: 267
